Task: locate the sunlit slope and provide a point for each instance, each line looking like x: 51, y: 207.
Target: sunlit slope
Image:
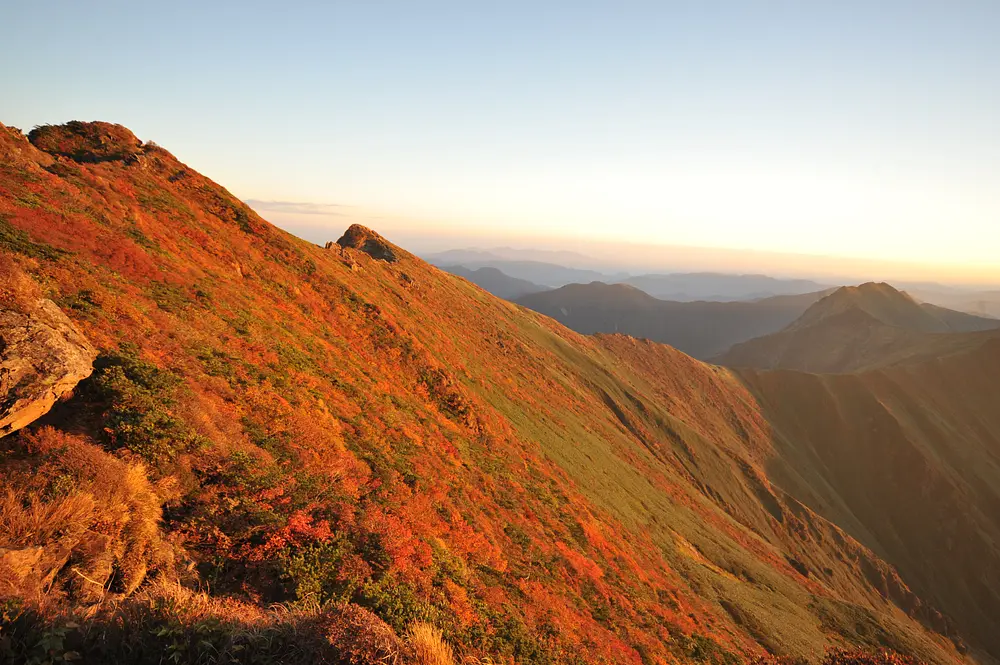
x: 907, y: 460
x: 351, y: 423
x: 858, y: 328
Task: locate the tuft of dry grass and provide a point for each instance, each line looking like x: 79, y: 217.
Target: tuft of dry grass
x: 27, y: 521
x: 79, y: 504
x: 191, y: 607
x: 427, y: 645
x: 166, y: 618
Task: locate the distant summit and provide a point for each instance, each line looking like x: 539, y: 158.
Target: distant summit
x: 855, y: 327
x: 891, y: 307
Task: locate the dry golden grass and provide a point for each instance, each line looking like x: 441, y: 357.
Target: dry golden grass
x: 428, y: 646
x: 164, y: 617
x: 195, y: 606
x: 27, y: 521
x: 79, y: 503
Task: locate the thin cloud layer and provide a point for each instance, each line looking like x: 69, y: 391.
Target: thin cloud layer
x: 297, y: 207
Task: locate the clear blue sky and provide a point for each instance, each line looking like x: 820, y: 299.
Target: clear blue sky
x: 866, y: 129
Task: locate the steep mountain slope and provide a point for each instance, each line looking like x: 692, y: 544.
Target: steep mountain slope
x: 687, y: 287
x: 907, y: 460
x: 352, y: 432
x: 496, y: 282
x: 856, y: 328
x: 702, y: 329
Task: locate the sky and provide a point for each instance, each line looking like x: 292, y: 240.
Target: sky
x: 847, y: 129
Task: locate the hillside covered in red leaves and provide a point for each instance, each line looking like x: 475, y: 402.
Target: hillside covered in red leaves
x: 279, y: 438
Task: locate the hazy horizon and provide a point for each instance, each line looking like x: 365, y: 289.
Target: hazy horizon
x: 314, y: 222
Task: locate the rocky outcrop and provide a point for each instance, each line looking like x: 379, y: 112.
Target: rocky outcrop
x: 369, y: 242
x: 87, y: 142
x: 42, y: 357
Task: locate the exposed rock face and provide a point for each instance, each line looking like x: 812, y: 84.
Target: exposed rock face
x: 42, y: 357
x: 369, y: 242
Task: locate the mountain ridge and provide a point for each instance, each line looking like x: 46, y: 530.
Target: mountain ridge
x: 327, y: 429
x: 920, y: 441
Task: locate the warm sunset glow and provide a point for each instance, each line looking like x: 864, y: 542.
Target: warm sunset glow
x: 500, y: 333
x: 792, y: 130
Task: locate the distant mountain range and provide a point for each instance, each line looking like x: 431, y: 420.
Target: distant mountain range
x: 858, y: 328
x: 721, y: 287
x: 700, y: 328
x: 485, y: 256
x: 496, y: 282
x: 981, y: 303
x: 683, y: 287
x: 553, y: 269
x: 544, y: 275
x: 513, y: 273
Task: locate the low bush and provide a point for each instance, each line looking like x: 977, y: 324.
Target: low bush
x: 138, y: 398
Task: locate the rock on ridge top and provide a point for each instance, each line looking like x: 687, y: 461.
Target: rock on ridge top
x: 87, y: 141
x: 364, y: 239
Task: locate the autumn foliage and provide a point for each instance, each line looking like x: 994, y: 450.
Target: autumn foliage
x: 345, y: 455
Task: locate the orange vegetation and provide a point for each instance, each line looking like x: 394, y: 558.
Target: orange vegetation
x: 357, y: 437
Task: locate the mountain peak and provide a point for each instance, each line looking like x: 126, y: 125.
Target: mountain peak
x: 871, y: 290
x: 877, y: 300
x: 364, y: 239
x: 856, y: 327
x: 877, y: 290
